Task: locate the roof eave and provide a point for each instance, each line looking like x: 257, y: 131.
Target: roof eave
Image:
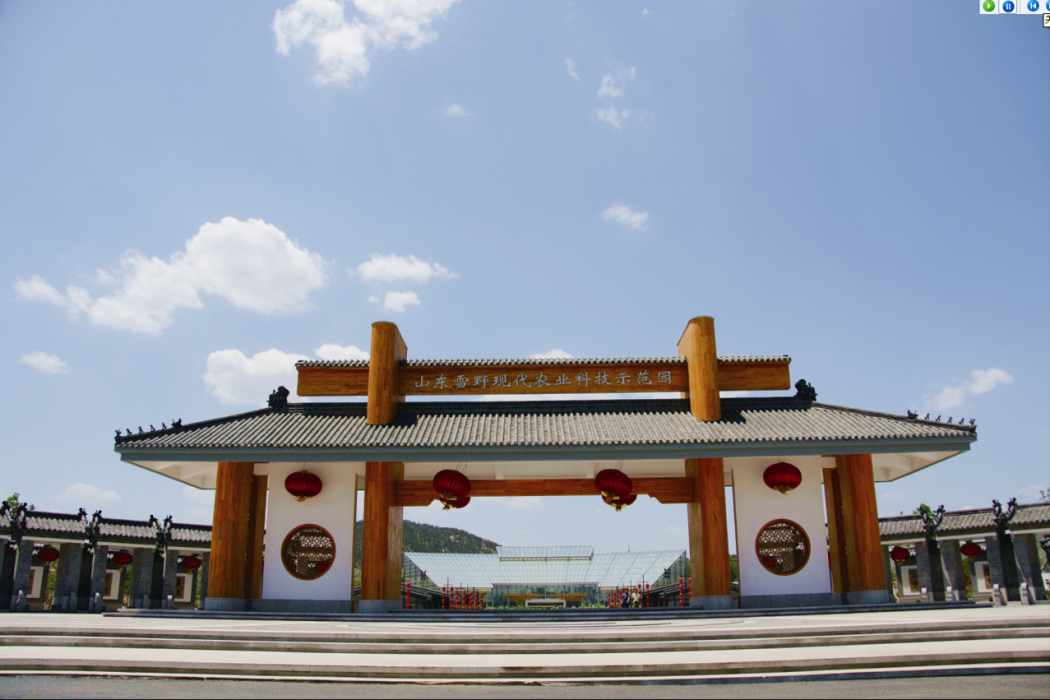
x: 524, y: 453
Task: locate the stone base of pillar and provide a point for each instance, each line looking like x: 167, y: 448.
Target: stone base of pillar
x: 227, y: 604
x: 713, y: 602
x: 868, y: 598
x: 791, y: 600
x: 379, y: 607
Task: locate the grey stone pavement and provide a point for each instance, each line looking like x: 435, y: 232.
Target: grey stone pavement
x: 994, y: 686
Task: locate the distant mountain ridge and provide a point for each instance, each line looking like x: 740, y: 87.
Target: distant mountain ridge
x: 419, y: 537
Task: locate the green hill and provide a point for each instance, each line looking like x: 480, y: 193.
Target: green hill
x: 431, y: 538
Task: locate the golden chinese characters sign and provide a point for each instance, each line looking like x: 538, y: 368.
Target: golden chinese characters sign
x: 570, y: 378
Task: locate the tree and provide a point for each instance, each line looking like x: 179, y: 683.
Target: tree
x: 1044, y: 496
x: 923, y: 508
x: 13, y: 501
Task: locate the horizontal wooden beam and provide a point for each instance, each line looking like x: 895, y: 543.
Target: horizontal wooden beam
x: 595, y: 378
x: 420, y: 493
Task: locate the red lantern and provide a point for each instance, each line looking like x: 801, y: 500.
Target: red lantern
x: 769, y: 561
x: 451, y: 486
x: 900, y: 555
x: 461, y: 502
x: 303, y: 485
x: 191, y: 562
x: 613, y: 482
x: 48, y: 554
x: 122, y: 558
x: 782, y: 477
x: 971, y: 550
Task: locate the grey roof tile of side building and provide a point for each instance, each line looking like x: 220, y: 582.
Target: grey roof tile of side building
x: 538, y: 424
x: 975, y: 520
x: 43, y: 524
x: 539, y: 361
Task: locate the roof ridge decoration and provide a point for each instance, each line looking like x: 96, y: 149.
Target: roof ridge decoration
x: 518, y: 361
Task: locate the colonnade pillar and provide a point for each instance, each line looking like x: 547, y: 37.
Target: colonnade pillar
x: 861, y: 543
x: 708, y: 535
x: 381, y: 538
x: 99, y: 560
x: 952, y: 559
x: 236, y: 547
x: 836, y: 533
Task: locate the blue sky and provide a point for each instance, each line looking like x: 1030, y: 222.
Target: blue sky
x: 193, y: 195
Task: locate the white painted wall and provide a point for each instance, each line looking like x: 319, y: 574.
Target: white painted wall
x: 334, y: 509
x: 755, y: 504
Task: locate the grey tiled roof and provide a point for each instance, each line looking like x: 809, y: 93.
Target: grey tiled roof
x: 507, y: 424
x: 44, y: 524
x: 963, y: 521
x: 543, y: 361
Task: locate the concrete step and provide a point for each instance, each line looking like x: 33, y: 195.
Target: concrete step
x: 501, y: 645
x: 463, y: 667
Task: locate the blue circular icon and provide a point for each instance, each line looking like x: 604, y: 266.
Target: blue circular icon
x: 1033, y: 6
x: 1008, y: 6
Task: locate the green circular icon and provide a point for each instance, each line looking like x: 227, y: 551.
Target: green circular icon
x: 988, y: 6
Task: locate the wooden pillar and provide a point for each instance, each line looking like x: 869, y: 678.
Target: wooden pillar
x: 254, y: 548
x: 697, y: 345
x: 860, y: 519
x: 381, y: 538
x: 836, y: 536
x: 388, y: 349
x: 708, y: 534
x: 229, y: 533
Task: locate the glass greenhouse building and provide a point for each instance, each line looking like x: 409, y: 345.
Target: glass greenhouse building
x: 516, y: 575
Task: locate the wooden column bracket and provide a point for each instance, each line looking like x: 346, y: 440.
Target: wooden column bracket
x: 697, y: 345
x: 382, y: 537
x: 388, y: 349
x: 708, y: 531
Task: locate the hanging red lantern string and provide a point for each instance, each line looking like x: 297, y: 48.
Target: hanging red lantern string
x: 48, y: 554
x: 452, y: 486
x: 303, y: 485
x: 900, y: 555
x: 971, y: 550
x: 782, y: 477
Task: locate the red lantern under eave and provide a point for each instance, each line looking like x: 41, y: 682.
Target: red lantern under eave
x: 191, y: 562
x: 613, y: 482
x: 782, y: 477
x: 971, y: 550
x: 900, y: 555
x: 48, y: 554
x: 452, y: 487
x: 122, y: 558
x: 303, y: 485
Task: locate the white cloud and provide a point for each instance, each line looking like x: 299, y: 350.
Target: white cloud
x: 672, y: 530
x: 609, y: 115
x: 373, y: 299
x: 86, y: 495
x: 552, y: 355
x: 251, y: 264
x: 394, y: 268
x: 343, y: 47
x: 455, y: 110
x: 614, y: 85
x: 646, y: 12
x: 570, y: 66
x: 985, y: 380
x: 36, y: 288
x: 981, y: 382
x: 236, y: 379
x: 610, y: 87
x: 895, y: 495
x: 331, y: 351
x: 42, y: 362
x: 622, y: 214
x: 399, y: 301
x: 1031, y: 494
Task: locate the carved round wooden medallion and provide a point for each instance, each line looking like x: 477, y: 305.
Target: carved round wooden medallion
x: 783, y: 547
x: 308, y: 552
